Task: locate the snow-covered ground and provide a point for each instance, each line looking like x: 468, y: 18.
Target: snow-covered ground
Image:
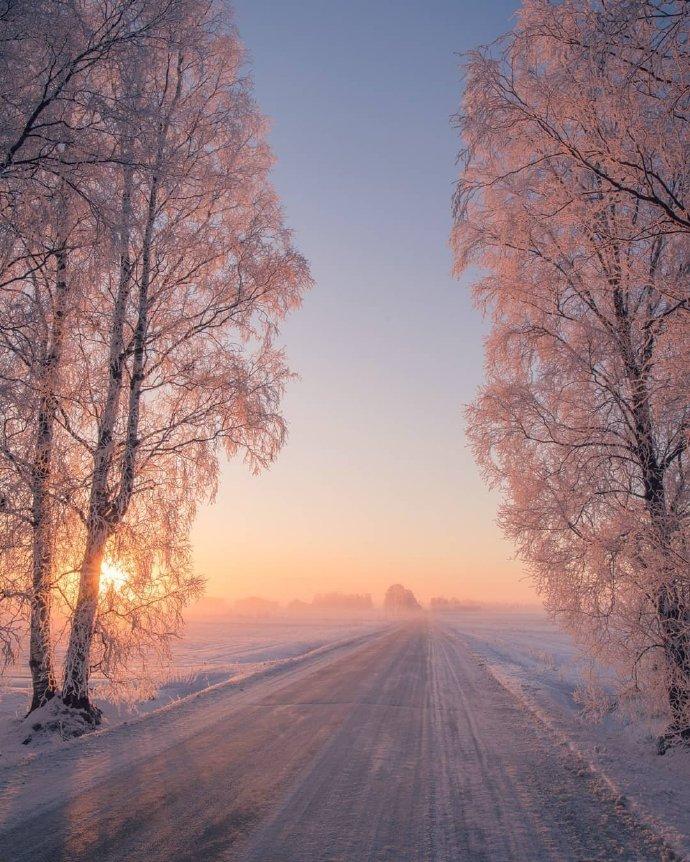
x: 539, y: 663
x: 212, y: 650
x: 396, y: 746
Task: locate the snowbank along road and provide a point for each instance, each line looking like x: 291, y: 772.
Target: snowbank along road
x: 397, y: 747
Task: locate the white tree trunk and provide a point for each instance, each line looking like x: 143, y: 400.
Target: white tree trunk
x: 41, y: 661
x: 77, y: 660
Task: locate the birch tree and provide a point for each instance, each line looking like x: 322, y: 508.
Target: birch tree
x: 42, y: 294
x: 206, y: 270
x: 48, y: 94
x: 55, y: 67
x: 583, y: 421
x: 594, y: 78
x: 144, y: 269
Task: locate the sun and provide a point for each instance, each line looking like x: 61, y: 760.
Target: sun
x: 113, y: 576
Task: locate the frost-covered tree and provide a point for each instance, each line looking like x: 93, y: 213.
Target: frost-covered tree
x: 144, y: 267
x: 178, y: 355
x: 602, y: 84
x: 53, y: 54
x: 57, y: 67
x: 571, y: 200
x: 35, y: 320
x: 400, y: 600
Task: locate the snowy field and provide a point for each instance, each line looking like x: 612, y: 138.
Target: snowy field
x: 536, y: 664
x: 535, y: 660
x: 397, y: 746
x: 212, y: 651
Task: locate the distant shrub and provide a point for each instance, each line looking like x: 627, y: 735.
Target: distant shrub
x: 398, y: 599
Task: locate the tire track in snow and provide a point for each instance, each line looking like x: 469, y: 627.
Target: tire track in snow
x: 466, y: 775
x: 403, y: 750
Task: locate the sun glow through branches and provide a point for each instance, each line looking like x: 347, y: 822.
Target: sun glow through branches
x: 113, y: 576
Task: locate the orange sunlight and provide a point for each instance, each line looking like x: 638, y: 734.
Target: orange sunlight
x: 113, y: 576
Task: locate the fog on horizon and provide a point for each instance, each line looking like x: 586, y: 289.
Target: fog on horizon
x: 375, y: 484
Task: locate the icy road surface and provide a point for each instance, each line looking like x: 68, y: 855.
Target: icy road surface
x: 399, y: 746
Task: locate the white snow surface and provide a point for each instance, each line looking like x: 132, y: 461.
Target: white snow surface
x: 301, y: 716
x: 541, y: 666
x: 212, y: 651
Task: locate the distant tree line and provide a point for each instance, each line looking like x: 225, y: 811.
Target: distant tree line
x: 440, y: 604
x: 352, y: 601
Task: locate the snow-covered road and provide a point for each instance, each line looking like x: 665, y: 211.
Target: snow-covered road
x: 398, y: 747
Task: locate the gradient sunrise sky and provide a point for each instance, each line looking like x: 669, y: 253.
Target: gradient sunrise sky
x: 376, y: 483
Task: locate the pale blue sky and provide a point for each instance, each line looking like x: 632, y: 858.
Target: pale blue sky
x: 376, y: 482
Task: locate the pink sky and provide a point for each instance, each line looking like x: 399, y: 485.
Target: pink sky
x: 375, y: 484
